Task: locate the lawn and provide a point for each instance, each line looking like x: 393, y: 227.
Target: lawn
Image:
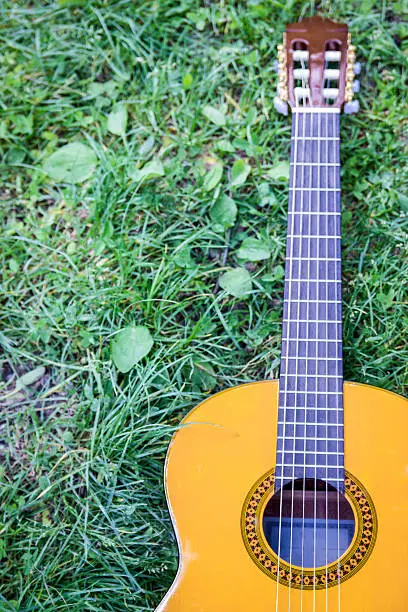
x: 170, y: 105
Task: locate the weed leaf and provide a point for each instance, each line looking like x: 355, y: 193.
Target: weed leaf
x: 236, y: 282
x: 252, y: 249
x: 117, y: 120
x: 214, y: 115
x: 129, y: 346
x: 146, y: 146
x: 29, y: 378
x: 386, y: 299
x: 224, y: 211
x: 239, y: 173
x: 74, y: 162
x: 279, y: 171
x: 151, y: 170
x: 213, y: 177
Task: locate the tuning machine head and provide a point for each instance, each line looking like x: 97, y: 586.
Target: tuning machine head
x: 316, y: 67
x: 352, y: 85
x: 280, y: 101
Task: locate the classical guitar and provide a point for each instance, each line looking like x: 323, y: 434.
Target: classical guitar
x: 292, y: 494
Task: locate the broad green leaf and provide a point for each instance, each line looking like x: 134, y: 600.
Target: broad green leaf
x: 214, y: 115
x: 44, y: 482
x: 29, y: 378
x: 151, y: 170
x: 187, y: 80
x: 251, y: 116
x: 239, y: 173
x: 386, y: 299
x: 403, y: 200
x: 213, y: 176
x: 277, y: 274
x: 68, y: 437
x: 203, y: 375
x: 224, y: 211
x: 182, y: 257
x: 129, y: 346
x: 236, y: 282
x: 279, y: 171
x: 146, y: 146
x: 117, y: 120
x: 252, y: 249
x: 266, y: 195
x: 108, y: 89
x: 225, y: 145
x: 74, y: 162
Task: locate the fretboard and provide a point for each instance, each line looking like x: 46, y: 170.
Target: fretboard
x: 310, y: 419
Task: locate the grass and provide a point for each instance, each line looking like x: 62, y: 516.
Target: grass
x: 84, y: 524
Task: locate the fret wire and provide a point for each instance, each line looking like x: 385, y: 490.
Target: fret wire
x: 318, y: 409
x: 291, y: 338
x: 334, y: 321
x: 314, y: 236
x: 317, y: 139
x: 295, y: 450
x: 316, y: 358
x: 309, y: 439
x: 318, y: 214
x: 317, y: 164
x: 311, y: 189
x: 316, y: 280
x: 310, y: 424
x: 310, y: 465
x: 314, y: 376
x: 300, y: 392
x: 322, y: 302
x: 328, y: 479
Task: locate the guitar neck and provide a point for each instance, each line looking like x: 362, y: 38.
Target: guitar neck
x: 310, y: 425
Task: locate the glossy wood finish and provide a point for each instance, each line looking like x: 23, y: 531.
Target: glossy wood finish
x: 224, y: 445
x: 316, y: 32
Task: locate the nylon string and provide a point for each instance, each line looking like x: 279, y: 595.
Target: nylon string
x: 299, y: 255
x: 287, y: 357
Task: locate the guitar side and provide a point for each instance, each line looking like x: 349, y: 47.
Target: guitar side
x: 224, y: 446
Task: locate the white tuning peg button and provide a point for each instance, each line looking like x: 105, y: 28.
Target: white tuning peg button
x: 356, y: 86
x: 280, y: 105
x: 350, y: 108
x: 357, y: 68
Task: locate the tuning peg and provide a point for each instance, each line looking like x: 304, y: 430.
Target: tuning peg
x: 276, y: 65
x: 280, y: 105
x: 357, y: 67
x: 356, y: 86
x: 350, y: 108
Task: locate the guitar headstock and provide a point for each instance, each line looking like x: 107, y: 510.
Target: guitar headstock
x: 316, y: 66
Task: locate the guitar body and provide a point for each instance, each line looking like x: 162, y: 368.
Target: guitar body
x: 225, y: 447
x: 292, y: 495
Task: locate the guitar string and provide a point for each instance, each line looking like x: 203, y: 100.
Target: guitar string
x: 294, y: 209
x: 327, y: 346
x: 309, y: 242
x: 302, y: 231
x: 289, y: 291
x: 336, y: 158
x: 316, y: 370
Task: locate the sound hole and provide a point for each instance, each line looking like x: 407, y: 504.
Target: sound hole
x: 308, y: 523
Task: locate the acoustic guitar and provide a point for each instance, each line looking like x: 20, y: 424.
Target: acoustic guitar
x: 292, y: 494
